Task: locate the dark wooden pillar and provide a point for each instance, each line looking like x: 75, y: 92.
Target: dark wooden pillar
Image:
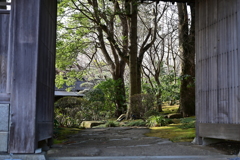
x: 32, y: 41
x: 4, y: 95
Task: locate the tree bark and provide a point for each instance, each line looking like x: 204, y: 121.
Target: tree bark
x: 133, y: 56
x: 121, y: 106
x: 187, y: 48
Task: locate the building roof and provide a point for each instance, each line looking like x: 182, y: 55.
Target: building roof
x: 61, y: 92
x: 65, y: 94
x: 74, y: 88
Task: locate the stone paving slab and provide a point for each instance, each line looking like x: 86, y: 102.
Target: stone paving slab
x: 127, y: 142
x: 146, y: 158
x: 23, y: 157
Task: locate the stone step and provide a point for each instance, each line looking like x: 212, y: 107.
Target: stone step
x: 148, y: 158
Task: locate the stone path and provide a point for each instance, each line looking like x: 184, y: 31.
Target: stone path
x: 128, y: 143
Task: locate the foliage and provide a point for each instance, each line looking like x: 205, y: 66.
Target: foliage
x: 111, y: 124
x: 142, y: 103
x: 151, y: 113
x: 168, y: 90
x: 170, y: 87
x: 71, y: 111
x: 94, y: 95
x: 138, y: 122
x: 110, y: 90
x: 154, y: 121
x: 71, y: 42
x: 188, y: 122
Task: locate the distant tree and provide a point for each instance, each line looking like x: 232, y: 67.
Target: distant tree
x: 187, y: 49
x: 161, y: 60
x: 112, y: 25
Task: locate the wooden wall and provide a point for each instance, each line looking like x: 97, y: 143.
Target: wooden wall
x: 4, y: 32
x: 46, y: 69
x: 32, y: 51
x: 4, y: 94
x: 218, y: 68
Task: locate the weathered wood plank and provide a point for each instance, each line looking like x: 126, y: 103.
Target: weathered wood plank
x: 220, y: 131
x: 44, y: 130
x: 4, y: 3
x: 3, y: 11
x: 24, y: 45
x: 4, y: 98
x: 33, y: 67
x: 238, y: 60
x: 198, y: 69
x: 4, y: 20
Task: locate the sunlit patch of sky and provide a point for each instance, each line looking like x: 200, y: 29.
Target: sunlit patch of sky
x: 8, y: 6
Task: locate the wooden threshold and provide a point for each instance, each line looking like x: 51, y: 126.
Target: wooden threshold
x: 220, y: 131
x: 4, y: 98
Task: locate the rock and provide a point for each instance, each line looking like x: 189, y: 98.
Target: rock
x: 121, y: 117
x: 175, y: 115
x: 90, y: 124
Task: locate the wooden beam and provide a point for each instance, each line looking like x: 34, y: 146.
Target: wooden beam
x: 33, y: 45
x: 4, y: 3
x: 4, y: 11
x: 4, y: 28
x: 24, y: 45
x: 4, y: 98
x: 220, y: 131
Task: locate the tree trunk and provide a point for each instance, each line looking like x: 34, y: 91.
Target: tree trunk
x: 133, y: 56
x: 121, y: 107
x: 187, y: 48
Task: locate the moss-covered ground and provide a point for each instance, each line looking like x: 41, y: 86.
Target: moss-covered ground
x: 176, y: 132
x: 173, y: 133
x: 61, y: 134
x: 179, y: 131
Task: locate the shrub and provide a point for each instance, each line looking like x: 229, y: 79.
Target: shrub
x: 151, y: 113
x: 111, y: 124
x: 71, y: 111
x: 155, y: 121
x: 137, y: 123
x: 187, y: 123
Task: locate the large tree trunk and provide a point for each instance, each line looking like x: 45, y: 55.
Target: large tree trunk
x: 133, y: 57
x: 187, y: 48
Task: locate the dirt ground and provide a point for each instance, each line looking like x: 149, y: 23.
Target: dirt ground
x: 126, y: 141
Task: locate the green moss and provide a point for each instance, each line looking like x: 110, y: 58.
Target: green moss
x: 173, y: 133
x: 61, y: 134
x: 170, y: 109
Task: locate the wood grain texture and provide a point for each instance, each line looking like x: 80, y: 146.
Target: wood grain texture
x: 217, y: 67
x: 46, y: 69
x: 4, y: 20
x: 224, y: 131
x: 33, y: 59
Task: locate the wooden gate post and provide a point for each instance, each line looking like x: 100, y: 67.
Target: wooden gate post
x: 4, y: 95
x: 32, y: 42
